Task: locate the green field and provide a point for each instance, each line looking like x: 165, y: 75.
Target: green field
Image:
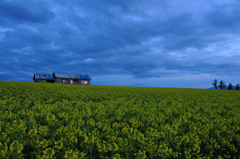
x: 42, y: 120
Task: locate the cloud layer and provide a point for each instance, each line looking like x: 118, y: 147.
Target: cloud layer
x: 136, y: 41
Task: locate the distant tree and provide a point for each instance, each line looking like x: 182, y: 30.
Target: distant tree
x: 230, y: 87
x: 237, y: 87
x: 215, y: 83
x: 222, y: 84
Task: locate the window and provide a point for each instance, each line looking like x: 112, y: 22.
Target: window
x: 71, y: 81
x: 85, y: 82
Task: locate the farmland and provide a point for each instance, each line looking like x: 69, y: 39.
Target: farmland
x: 42, y: 120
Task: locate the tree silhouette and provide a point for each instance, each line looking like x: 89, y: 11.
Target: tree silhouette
x: 237, y: 87
x: 215, y: 83
x: 221, y: 84
x: 230, y: 87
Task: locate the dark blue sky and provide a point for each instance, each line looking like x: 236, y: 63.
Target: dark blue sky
x: 156, y: 43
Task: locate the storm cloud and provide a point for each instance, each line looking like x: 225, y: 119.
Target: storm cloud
x: 156, y: 43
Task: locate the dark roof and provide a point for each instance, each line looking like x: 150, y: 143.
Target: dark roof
x: 65, y: 75
x: 43, y: 76
x: 84, y: 77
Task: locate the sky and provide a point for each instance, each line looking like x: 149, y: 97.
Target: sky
x: 144, y: 43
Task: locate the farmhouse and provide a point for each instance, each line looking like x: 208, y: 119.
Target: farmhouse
x: 62, y: 78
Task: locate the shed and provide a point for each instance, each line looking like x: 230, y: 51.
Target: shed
x: 84, y: 79
x: 71, y: 78
x: 37, y: 77
x: 62, y: 78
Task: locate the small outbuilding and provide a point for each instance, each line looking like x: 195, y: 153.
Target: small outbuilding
x: 43, y: 77
x: 62, y: 78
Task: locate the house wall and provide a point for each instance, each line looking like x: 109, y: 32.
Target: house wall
x: 49, y: 81
x: 58, y: 80
x: 88, y: 82
x: 80, y: 82
x: 66, y: 81
x: 75, y: 81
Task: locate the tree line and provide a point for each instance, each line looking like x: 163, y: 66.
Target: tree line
x: 223, y: 85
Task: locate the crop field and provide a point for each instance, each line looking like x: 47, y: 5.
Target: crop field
x: 43, y: 120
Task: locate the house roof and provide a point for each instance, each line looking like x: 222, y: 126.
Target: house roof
x: 65, y: 75
x: 43, y: 76
x: 84, y: 77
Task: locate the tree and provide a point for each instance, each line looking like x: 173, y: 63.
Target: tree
x: 230, y: 87
x: 237, y: 87
x: 215, y: 83
x: 221, y: 84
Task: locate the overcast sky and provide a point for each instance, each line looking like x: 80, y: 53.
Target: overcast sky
x: 147, y: 43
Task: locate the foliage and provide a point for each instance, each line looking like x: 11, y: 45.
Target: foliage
x: 215, y: 83
x: 74, y: 121
x: 237, y: 87
x: 230, y: 87
x: 43, y: 81
x: 222, y: 84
